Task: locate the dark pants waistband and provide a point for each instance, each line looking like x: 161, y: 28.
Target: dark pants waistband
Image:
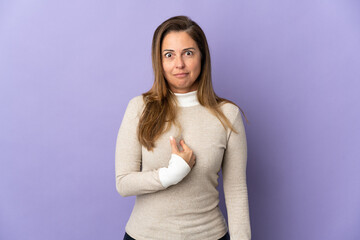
x: 128, y: 237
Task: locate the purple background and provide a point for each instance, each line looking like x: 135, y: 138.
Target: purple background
x: 69, y: 68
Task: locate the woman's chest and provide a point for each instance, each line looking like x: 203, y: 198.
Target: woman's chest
x: 201, y: 131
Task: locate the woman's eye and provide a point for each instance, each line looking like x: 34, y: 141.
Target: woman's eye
x: 188, y: 53
x: 167, y: 55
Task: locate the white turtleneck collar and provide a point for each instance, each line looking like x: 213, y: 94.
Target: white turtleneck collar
x: 187, y: 99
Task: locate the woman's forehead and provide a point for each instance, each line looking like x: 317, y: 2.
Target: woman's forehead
x: 178, y: 41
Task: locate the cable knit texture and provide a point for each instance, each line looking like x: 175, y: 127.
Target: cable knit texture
x: 189, y: 209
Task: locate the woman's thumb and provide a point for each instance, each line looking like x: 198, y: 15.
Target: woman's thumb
x: 184, y: 146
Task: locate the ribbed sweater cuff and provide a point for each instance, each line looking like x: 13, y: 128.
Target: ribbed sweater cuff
x: 175, y: 172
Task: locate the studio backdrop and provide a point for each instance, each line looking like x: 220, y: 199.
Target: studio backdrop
x: 69, y: 68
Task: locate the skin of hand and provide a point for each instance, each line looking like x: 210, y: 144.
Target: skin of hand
x: 187, y: 154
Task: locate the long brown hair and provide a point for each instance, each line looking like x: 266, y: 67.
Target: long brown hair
x: 160, y: 106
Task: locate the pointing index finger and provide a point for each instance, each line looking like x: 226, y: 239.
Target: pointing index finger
x: 173, y: 145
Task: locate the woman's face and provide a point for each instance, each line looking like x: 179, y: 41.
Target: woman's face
x: 181, y: 61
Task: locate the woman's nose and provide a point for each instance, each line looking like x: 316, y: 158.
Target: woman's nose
x: 179, y: 62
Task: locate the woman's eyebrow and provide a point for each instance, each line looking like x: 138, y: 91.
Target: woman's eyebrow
x: 189, y: 48
x: 170, y: 50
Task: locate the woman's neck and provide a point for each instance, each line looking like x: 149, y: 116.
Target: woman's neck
x: 187, y: 99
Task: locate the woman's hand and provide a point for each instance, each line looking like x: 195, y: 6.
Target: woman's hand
x: 180, y: 164
x: 187, y: 154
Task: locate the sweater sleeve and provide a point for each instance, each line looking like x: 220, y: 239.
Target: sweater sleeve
x: 130, y: 180
x: 234, y: 180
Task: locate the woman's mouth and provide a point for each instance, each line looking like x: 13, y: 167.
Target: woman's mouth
x: 181, y: 75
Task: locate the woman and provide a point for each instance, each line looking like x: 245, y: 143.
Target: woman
x: 175, y: 184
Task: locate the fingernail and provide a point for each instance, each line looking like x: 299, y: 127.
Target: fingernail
x: 171, y: 137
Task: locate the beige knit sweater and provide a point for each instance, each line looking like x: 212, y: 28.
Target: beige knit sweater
x: 189, y: 209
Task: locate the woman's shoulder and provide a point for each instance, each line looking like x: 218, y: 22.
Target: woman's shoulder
x: 230, y: 109
x: 137, y: 99
x: 136, y: 102
x: 135, y: 105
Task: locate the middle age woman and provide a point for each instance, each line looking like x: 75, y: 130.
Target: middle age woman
x: 173, y: 141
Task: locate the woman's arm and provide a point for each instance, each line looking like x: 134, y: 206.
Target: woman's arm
x: 130, y: 180
x: 234, y: 180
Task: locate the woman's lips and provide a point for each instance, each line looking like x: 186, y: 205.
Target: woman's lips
x: 181, y: 75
